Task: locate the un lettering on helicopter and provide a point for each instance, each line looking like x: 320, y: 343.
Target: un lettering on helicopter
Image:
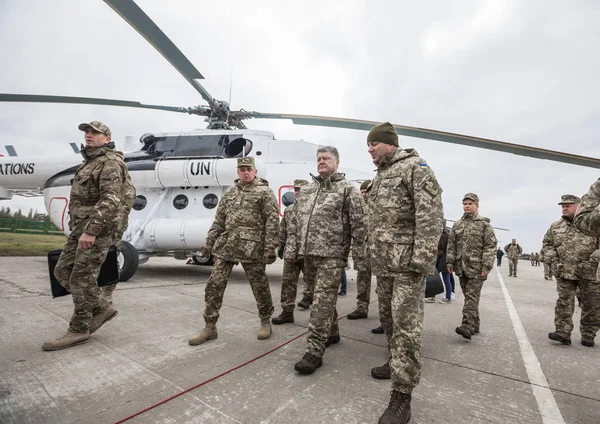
x: 180, y: 177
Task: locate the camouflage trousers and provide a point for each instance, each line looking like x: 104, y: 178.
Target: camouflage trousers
x: 589, y: 299
x: 326, y: 274
x: 77, y: 270
x: 289, y: 285
x: 216, y: 284
x: 512, y: 267
x: 363, y: 290
x: 548, y: 270
x: 401, y: 311
x: 471, y: 288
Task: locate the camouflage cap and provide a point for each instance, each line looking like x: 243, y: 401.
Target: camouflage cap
x: 471, y: 196
x: 568, y: 198
x: 300, y: 183
x: 365, y: 184
x: 97, y: 125
x: 246, y: 161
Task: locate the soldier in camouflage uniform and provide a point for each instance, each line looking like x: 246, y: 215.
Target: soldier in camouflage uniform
x: 405, y: 218
x: 98, y: 191
x: 327, y: 218
x: 513, y: 250
x: 471, y: 251
x: 548, y: 266
x: 244, y: 230
x: 576, y: 259
x: 587, y: 218
x: 363, y: 277
x: 291, y: 269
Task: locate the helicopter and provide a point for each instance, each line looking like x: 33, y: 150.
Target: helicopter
x: 180, y: 176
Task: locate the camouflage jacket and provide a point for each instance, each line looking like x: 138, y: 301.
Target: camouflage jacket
x: 98, y: 193
x: 327, y: 218
x: 405, y: 215
x: 283, y: 225
x: 471, y: 246
x: 246, y: 223
x: 571, y: 250
x: 513, y: 250
x: 588, y: 214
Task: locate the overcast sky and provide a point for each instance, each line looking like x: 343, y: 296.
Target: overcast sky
x: 518, y: 71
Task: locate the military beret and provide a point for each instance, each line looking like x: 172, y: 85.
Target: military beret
x: 383, y: 133
x: 569, y: 198
x: 471, y: 196
x: 246, y: 161
x: 365, y: 184
x: 97, y: 125
x: 300, y: 183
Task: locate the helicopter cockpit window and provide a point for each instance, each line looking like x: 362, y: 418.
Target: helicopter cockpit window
x: 180, y: 201
x: 225, y: 146
x: 288, y: 199
x: 164, y: 145
x: 140, y: 202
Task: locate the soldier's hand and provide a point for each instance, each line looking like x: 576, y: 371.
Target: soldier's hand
x: 484, y: 274
x: 86, y: 241
x: 270, y: 256
x: 205, y: 252
x: 450, y: 269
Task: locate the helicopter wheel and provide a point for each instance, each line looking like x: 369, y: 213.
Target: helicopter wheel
x: 128, y: 261
x: 199, y: 260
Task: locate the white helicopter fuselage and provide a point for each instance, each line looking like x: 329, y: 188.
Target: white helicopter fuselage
x: 179, y: 180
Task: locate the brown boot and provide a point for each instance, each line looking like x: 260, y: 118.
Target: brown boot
x: 383, y: 372
x: 398, y: 411
x: 107, y: 292
x: 102, y: 318
x: 283, y: 318
x: 357, y: 315
x: 308, y: 364
x: 209, y: 333
x: 264, y: 332
x: 66, y: 340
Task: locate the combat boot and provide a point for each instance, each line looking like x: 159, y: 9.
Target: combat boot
x: 398, y: 411
x: 378, y: 330
x: 264, y: 332
x: 558, y: 338
x: 463, y: 331
x: 357, y: 315
x: 383, y: 372
x: 102, y: 318
x: 283, y: 318
x: 332, y: 339
x: 587, y: 342
x: 66, y: 340
x: 305, y: 303
x: 308, y: 364
x: 209, y: 333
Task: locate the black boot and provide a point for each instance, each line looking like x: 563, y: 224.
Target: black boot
x: 383, y: 372
x: 283, y: 318
x: 463, y: 331
x: 305, y: 303
x: 378, y: 330
x: 587, y: 342
x: 398, y: 411
x: 308, y: 364
x: 333, y: 339
x: 558, y: 338
x: 357, y: 315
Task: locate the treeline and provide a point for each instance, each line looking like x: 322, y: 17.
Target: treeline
x: 6, y: 212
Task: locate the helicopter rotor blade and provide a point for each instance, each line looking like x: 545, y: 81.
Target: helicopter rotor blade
x: 136, y: 17
x: 465, y: 140
x: 35, y: 98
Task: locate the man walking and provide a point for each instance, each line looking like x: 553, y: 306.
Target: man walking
x: 513, y: 250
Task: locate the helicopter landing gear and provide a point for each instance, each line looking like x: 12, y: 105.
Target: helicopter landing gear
x: 200, y: 260
x: 128, y: 261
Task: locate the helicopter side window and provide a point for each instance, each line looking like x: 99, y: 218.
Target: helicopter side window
x: 210, y: 201
x: 288, y: 199
x: 180, y: 201
x: 140, y: 202
x: 165, y: 145
x: 223, y: 145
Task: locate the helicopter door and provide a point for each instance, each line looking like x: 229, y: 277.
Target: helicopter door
x: 58, y: 212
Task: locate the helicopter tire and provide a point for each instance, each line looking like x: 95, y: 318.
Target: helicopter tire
x: 208, y: 262
x: 131, y: 260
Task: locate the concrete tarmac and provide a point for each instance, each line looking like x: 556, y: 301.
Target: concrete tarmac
x: 509, y: 373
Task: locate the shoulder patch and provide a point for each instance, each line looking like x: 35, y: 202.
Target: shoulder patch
x: 423, y: 165
x: 432, y: 188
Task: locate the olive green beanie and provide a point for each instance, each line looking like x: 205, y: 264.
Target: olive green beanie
x: 383, y: 133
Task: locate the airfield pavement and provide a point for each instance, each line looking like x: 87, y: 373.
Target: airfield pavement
x: 510, y: 373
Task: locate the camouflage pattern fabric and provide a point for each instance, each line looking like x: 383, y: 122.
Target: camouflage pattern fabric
x: 513, y: 250
x: 588, y: 216
x: 216, y: 284
x: 548, y: 270
x: 328, y: 216
x: 289, y: 284
x: 471, y: 288
x: 363, y: 290
x: 405, y: 218
x: 77, y: 270
x: 471, y: 246
x: 589, y: 298
x: 246, y: 223
x: 405, y: 215
x: 571, y: 250
x: 401, y: 307
x: 512, y: 267
x: 284, y: 224
x: 323, y: 321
